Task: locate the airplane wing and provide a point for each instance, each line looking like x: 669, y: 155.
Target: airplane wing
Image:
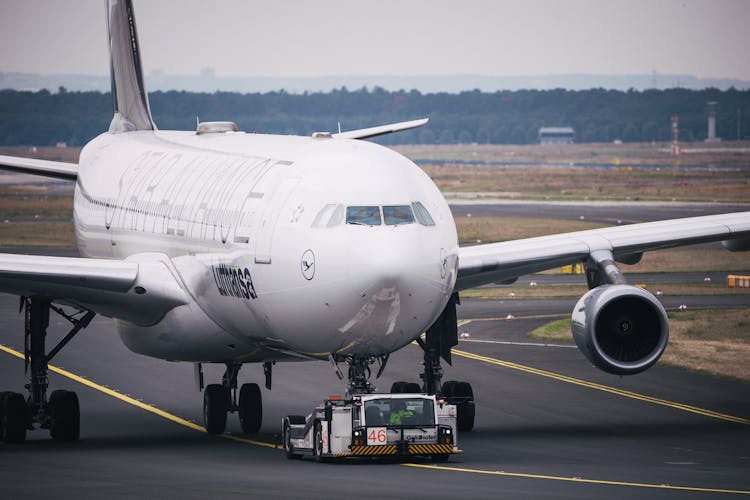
x: 140, y: 290
x: 366, y: 133
x: 56, y: 169
x: 506, y: 261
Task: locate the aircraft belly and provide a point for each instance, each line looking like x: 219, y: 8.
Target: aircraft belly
x: 185, y: 334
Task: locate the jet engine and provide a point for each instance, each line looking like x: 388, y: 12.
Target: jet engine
x: 621, y: 329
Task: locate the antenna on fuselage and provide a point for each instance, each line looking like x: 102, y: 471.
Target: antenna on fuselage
x: 131, y: 109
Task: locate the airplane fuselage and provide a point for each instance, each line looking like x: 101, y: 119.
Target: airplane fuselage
x: 274, y: 240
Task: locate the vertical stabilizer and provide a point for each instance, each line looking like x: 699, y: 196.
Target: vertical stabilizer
x: 128, y: 91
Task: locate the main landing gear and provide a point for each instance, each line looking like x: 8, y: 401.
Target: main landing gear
x: 220, y: 399
x: 60, y: 412
x: 440, y: 338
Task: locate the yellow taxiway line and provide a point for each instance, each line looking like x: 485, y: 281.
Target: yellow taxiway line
x: 578, y: 479
x: 196, y: 427
x: 135, y: 402
x: 600, y: 387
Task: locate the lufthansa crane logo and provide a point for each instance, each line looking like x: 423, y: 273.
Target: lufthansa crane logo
x: 308, y: 264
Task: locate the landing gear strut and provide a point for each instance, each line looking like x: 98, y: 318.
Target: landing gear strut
x: 438, y: 341
x: 220, y: 399
x: 360, y: 373
x: 60, y: 413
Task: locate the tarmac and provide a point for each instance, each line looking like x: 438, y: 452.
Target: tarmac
x: 548, y: 425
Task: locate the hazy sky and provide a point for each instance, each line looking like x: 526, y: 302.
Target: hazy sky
x: 706, y: 38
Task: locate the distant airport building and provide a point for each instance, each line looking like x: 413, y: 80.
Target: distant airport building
x: 557, y: 135
x: 711, y: 110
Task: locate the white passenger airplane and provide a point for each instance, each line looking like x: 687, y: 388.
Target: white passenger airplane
x: 218, y: 246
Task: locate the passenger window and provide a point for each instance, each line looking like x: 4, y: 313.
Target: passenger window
x: 394, y: 215
x: 422, y: 215
x: 365, y: 216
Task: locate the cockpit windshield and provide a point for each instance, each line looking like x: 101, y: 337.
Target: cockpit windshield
x: 332, y: 215
x: 394, y: 215
x: 364, y: 216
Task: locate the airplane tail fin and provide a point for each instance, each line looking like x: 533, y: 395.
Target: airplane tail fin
x: 128, y: 91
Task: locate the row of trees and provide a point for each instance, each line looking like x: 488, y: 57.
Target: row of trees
x: 503, y: 117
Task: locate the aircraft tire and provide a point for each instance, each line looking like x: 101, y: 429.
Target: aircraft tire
x: 466, y: 408
x: 448, y: 387
x: 412, y: 388
x: 251, y: 408
x: 14, y: 415
x: 2, y: 413
x: 215, y: 403
x: 66, y: 416
x: 398, y: 387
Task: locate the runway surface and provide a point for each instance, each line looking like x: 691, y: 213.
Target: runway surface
x: 538, y: 434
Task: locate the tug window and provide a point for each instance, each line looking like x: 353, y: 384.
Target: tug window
x: 394, y: 215
x: 364, y: 216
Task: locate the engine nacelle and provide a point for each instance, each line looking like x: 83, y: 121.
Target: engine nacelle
x: 621, y: 329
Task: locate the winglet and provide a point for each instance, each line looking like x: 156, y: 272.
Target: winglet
x: 128, y: 91
x: 366, y: 133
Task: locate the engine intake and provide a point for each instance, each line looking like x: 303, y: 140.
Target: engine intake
x: 621, y: 329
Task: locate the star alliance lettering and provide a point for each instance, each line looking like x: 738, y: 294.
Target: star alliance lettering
x: 234, y: 282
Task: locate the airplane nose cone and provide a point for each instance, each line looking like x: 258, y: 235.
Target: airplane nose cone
x: 396, y: 287
x: 384, y: 262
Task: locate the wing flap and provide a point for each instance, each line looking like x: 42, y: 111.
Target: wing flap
x: 56, y: 169
x: 496, y: 262
x: 140, y: 291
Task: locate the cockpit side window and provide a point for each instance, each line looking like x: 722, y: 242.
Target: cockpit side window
x: 422, y: 215
x: 364, y: 216
x: 329, y: 216
x: 394, y: 215
x: 337, y: 217
x: 321, y: 220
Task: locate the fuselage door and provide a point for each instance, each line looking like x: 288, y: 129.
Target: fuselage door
x: 276, y: 202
